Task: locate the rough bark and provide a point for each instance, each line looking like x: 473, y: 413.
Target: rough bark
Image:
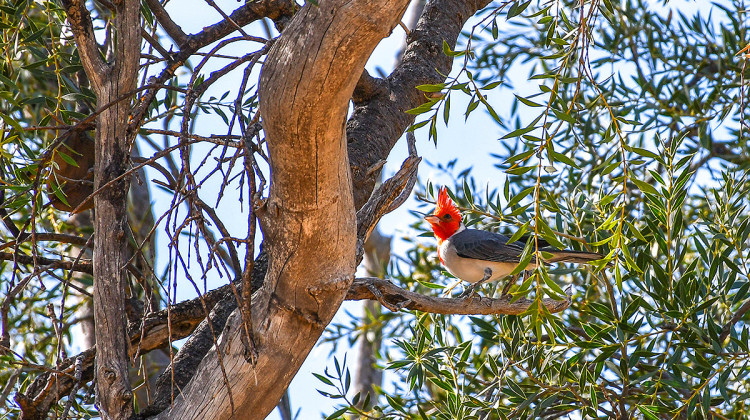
x: 309, y: 220
x: 112, y: 82
x: 396, y: 298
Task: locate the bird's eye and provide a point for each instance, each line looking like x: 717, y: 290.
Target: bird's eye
x: 447, y: 217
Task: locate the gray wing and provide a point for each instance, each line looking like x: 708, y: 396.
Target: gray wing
x: 488, y: 246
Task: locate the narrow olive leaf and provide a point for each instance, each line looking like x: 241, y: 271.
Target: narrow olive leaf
x: 517, y: 9
x: 520, y: 156
x: 60, y: 194
x: 525, y: 259
x: 564, y: 159
x: 564, y: 116
x: 431, y: 88
x: 69, y: 160
x: 467, y: 193
x: 520, y: 170
x: 552, y: 285
x: 519, y: 132
x: 446, y: 109
x: 490, y: 86
x: 520, y: 232
x: 418, y: 125
x: 645, y: 187
x: 644, y: 153
x: 520, y: 196
x: 422, y: 108
x: 527, y: 102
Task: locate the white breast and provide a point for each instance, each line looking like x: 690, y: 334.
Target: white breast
x: 470, y: 269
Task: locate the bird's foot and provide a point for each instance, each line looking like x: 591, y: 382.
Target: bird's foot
x: 468, y: 292
x: 471, y: 290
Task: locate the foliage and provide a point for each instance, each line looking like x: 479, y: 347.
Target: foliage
x: 632, y: 142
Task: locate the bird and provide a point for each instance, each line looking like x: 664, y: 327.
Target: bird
x: 479, y: 256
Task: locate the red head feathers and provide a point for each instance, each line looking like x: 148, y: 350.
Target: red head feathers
x: 446, y: 219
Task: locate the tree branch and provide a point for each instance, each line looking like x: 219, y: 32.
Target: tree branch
x: 396, y: 298
x: 51, y: 263
x: 376, y: 124
x: 388, y: 196
x: 170, y: 27
x: 277, y: 10
x: 735, y: 319
x: 83, y: 31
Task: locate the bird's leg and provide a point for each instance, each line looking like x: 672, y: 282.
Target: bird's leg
x: 470, y: 290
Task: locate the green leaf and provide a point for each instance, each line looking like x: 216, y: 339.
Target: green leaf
x: 527, y: 102
x: 69, y: 160
x: 431, y: 88
x: 645, y: 187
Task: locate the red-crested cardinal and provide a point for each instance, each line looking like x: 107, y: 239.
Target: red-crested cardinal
x: 478, y: 256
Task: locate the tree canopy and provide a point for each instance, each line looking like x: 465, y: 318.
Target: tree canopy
x: 622, y: 130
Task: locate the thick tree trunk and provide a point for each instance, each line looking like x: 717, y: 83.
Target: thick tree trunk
x: 309, y: 219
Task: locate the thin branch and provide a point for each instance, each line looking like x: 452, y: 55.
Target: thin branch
x: 51, y: 237
x: 735, y: 319
x: 389, y: 195
x: 170, y: 27
x: 155, y: 43
x: 83, y: 267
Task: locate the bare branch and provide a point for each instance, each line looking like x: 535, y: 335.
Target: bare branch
x: 389, y: 195
x: 396, y: 298
x: 735, y: 319
x: 84, y: 267
x: 52, y: 237
x: 170, y: 27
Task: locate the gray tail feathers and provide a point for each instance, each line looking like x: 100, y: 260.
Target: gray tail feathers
x: 578, y: 257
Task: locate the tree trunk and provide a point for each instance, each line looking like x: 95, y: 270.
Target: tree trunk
x: 114, y: 84
x: 309, y: 219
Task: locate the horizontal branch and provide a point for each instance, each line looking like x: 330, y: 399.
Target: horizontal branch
x: 84, y: 267
x: 396, y: 298
x: 62, y: 238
